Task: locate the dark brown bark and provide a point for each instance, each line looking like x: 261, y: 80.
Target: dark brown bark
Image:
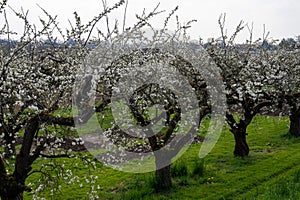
x: 164, y: 178
x: 23, y: 165
x: 162, y: 163
x: 241, y: 147
x: 13, y: 186
x: 295, y: 123
x: 13, y: 196
x: 10, y: 188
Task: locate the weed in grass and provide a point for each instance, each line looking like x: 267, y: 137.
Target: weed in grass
x: 137, y: 193
x: 282, y: 189
x: 138, y: 189
x: 131, y: 195
x: 297, y: 177
x: 156, y: 184
x: 183, y: 181
x: 199, y: 167
x: 179, y: 169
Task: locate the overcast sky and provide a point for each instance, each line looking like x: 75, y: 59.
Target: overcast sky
x: 281, y: 17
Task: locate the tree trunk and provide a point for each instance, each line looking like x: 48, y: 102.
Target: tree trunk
x: 164, y: 178
x: 241, y: 148
x: 11, y: 189
x: 295, y: 124
x: 162, y: 164
x: 163, y: 172
x: 13, y: 186
x: 18, y: 196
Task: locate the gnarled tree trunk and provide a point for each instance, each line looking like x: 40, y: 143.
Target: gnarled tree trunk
x: 241, y: 147
x: 239, y: 130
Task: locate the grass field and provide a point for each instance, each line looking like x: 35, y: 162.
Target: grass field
x: 272, y: 171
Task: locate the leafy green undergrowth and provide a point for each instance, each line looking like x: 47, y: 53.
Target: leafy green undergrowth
x: 273, y: 164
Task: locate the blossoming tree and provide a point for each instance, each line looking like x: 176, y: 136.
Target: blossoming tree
x: 36, y: 76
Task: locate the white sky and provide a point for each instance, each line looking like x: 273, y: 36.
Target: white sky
x: 281, y: 17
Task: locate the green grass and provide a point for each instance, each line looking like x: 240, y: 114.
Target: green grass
x: 271, y: 171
